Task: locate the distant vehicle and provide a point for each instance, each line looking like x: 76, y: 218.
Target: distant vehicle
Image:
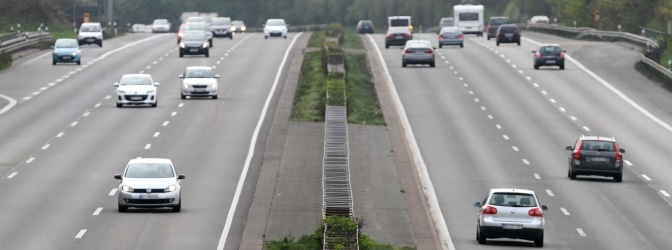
x: 469, y: 18
x: 136, y: 89
x: 203, y: 27
x: 90, y: 33
x: 510, y: 213
x: 446, y: 22
x: 221, y: 26
x: 397, y: 36
x: 539, y: 20
x: 400, y: 21
x: 66, y: 50
x: 275, y: 27
x: 365, y: 27
x: 140, y: 28
x: 180, y: 32
x: 451, y: 35
x: 418, y: 52
x: 160, y: 26
x: 199, y: 81
x: 549, y: 54
x: 239, y: 26
x: 195, y: 19
x: 195, y: 42
x: 494, y: 23
x: 596, y: 155
x: 149, y: 183
x: 508, y: 33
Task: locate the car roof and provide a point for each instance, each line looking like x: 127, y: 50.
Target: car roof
x: 137, y: 75
x: 199, y: 67
x: 597, y: 138
x: 150, y: 160
x: 499, y: 17
x: 549, y: 44
x: 453, y: 28
x: 399, y: 17
x: 512, y: 190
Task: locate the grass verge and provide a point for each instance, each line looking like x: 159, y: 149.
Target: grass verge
x: 5, y: 60
x: 309, y: 103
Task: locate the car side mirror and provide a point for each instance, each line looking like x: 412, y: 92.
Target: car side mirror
x: 116, y: 84
x: 534, y: 51
x: 180, y: 76
x: 433, y: 47
x: 81, y: 47
x: 263, y: 25
x: 570, y: 148
x: 181, y: 177
x: 117, y: 176
x: 217, y: 76
x: 402, y: 48
x: 52, y: 46
x: 564, y: 51
x: 621, y: 150
x: 156, y: 83
x: 544, y: 207
x: 477, y: 204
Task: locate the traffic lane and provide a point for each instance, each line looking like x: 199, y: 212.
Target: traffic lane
x: 557, y: 159
x: 58, y: 101
x: 615, y: 107
x: 476, y: 73
x: 210, y: 139
x: 459, y: 142
x: 116, y: 124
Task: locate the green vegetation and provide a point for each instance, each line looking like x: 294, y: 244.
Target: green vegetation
x: 352, y: 40
x: 363, y: 105
x: 310, y: 96
x: 5, y: 61
x: 314, y: 241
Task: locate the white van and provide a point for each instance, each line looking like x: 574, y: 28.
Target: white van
x: 469, y: 18
x: 400, y: 21
x: 90, y: 33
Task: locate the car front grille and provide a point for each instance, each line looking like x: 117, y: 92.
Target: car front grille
x: 153, y: 190
x: 199, y: 86
x: 149, y: 201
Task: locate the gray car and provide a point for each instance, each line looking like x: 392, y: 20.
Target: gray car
x: 510, y: 213
x: 222, y: 27
x: 418, y: 52
x: 451, y: 36
x: 494, y: 23
x: 596, y: 155
x: 149, y: 183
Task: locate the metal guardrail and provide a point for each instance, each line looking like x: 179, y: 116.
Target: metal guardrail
x: 24, y: 40
x: 657, y: 71
x: 583, y: 32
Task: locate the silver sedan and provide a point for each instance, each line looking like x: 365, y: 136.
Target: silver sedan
x: 418, y: 52
x: 149, y: 182
x: 510, y: 213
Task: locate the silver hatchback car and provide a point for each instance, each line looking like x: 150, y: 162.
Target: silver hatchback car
x: 510, y: 213
x: 149, y: 182
x: 199, y: 81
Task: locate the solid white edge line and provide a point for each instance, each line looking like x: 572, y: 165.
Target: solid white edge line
x: 435, y: 209
x: 12, y: 175
x: 253, y: 143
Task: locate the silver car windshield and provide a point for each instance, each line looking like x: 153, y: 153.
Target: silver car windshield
x: 149, y: 170
x: 275, y: 23
x: 135, y: 80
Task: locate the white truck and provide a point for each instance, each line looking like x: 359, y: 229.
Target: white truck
x: 469, y: 18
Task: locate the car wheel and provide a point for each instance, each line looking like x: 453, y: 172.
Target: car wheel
x: 440, y: 46
x: 562, y: 66
x: 119, y: 105
x: 214, y: 97
x: 178, y: 207
x: 122, y: 209
x: 285, y: 37
x: 210, y: 43
x: 181, y: 54
x: 536, y: 66
x: 488, y: 37
x: 387, y: 46
x: 79, y: 62
x: 461, y: 45
x: 618, y: 178
x: 481, y: 239
x: 230, y: 37
x: 207, y: 54
x: 539, y: 242
x: 403, y: 64
x: 571, y: 174
x: 518, y: 43
x: 53, y: 62
x: 432, y: 65
x: 100, y: 44
x: 156, y: 103
x: 265, y: 37
x: 497, y: 43
x: 183, y: 96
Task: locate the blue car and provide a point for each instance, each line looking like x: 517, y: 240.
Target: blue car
x: 66, y: 50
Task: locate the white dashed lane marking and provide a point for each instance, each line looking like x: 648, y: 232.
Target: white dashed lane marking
x: 580, y: 231
x: 98, y: 210
x: 12, y: 175
x: 111, y: 193
x: 564, y: 211
x: 646, y: 177
x: 665, y: 193
x: 80, y: 234
x: 31, y: 159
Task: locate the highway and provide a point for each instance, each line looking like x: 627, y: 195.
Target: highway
x: 63, y: 139
x: 484, y: 118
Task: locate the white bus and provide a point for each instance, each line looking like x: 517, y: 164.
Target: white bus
x: 469, y: 18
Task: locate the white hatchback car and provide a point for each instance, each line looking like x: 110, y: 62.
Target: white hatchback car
x: 275, y: 27
x: 510, y: 213
x: 149, y: 182
x: 199, y: 81
x: 90, y: 33
x: 136, y: 89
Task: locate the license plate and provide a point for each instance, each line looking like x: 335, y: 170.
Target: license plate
x: 550, y: 61
x: 509, y: 35
x: 512, y: 226
x: 148, y: 196
x: 67, y: 57
x: 136, y: 98
x: 193, y: 50
x: 398, y: 37
x: 90, y: 39
x: 200, y: 90
x: 598, y: 159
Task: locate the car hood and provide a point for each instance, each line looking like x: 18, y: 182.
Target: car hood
x: 136, y: 89
x: 276, y: 28
x: 149, y: 182
x: 66, y: 51
x: 191, y: 81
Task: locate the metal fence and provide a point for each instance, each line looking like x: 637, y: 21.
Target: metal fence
x: 17, y: 42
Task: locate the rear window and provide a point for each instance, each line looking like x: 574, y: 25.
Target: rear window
x: 513, y: 200
x: 499, y: 21
x: 598, y: 146
x: 398, y: 22
x: 468, y: 16
x: 509, y: 28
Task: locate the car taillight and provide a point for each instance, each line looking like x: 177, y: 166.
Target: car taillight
x: 460, y: 37
x: 489, y: 26
x: 406, y: 35
x: 518, y: 33
x: 535, y: 212
x: 619, y: 156
x: 429, y: 51
x: 577, y: 151
x: 441, y: 37
x: 408, y: 51
x: 562, y: 55
x: 538, y: 55
x: 490, y: 210
x: 389, y: 36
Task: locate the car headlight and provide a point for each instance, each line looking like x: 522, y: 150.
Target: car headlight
x: 206, y: 44
x: 127, y: 189
x: 151, y: 91
x: 121, y: 92
x: 185, y: 85
x: 171, y: 188
x: 214, y: 86
x: 74, y: 53
x: 233, y: 28
x: 243, y: 28
x: 182, y: 45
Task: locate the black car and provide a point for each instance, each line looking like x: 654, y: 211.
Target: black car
x: 365, y: 27
x: 549, y: 55
x: 494, y: 23
x: 397, y: 36
x: 508, y: 33
x: 194, y: 42
x: 596, y: 155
